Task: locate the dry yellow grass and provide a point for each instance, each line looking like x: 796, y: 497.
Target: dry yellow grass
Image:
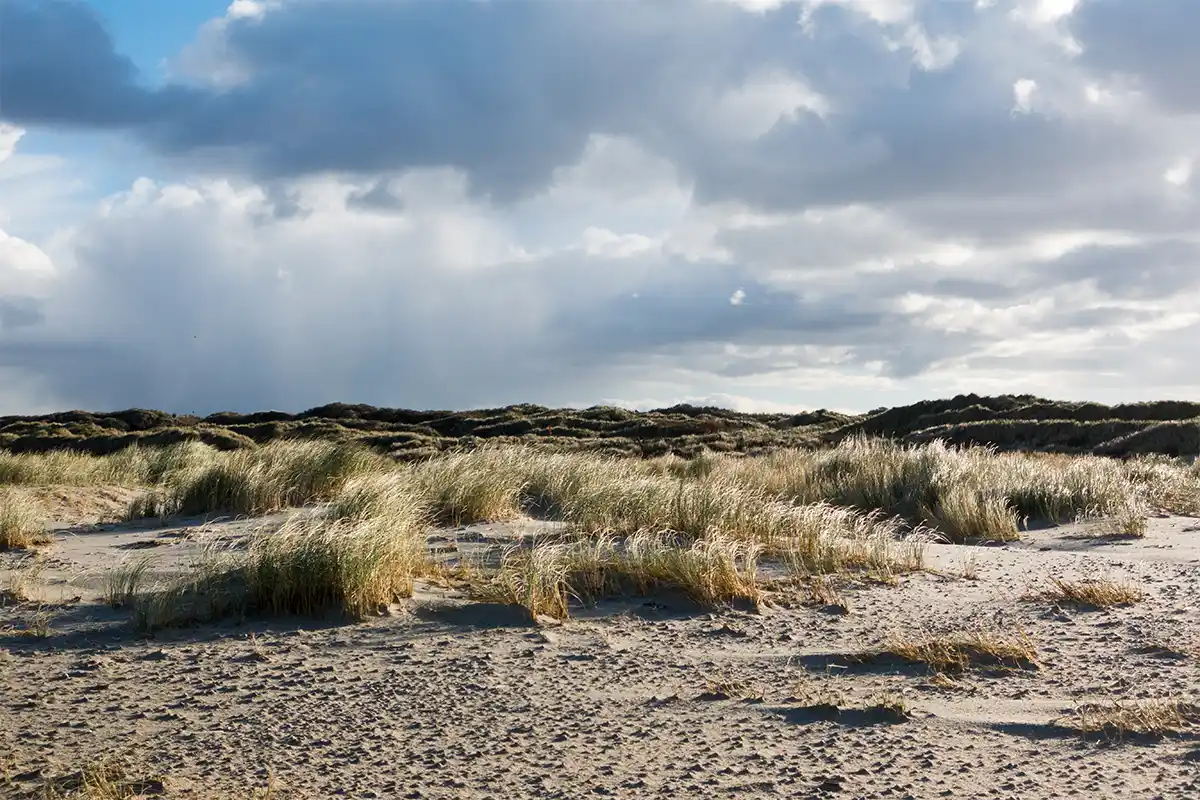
x: 965, y: 493
x: 546, y: 577
x: 361, y: 553
x: 821, y: 591
x: 133, y: 466
x: 357, y: 567
x: 36, y: 623
x: 270, y: 478
x: 55, y: 467
x: 1094, y: 593
x: 20, y: 524
x: 959, y: 652
x: 866, y: 506
x: 1139, y: 718
x: 483, y: 486
x: 108, y: 779
x: 821, y: 539
x: 102, y: 780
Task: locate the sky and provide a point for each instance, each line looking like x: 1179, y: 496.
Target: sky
x: 766, y: 205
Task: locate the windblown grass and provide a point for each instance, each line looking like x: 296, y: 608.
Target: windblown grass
x: 20, y: 524
x: 211, y: 588
x: 961, y: 651
x: 1143, y: 718
x: 823, y: 539
x: 357, y: 567
x: 101, y: 780
x: 965, y: 493
x: 463, y: 488
x: 695, y: 526
x: 599, y: 496
x: 544, y: 578
x: 258, y: 481
x: 132, y: 466
x: 1092, y: 593
x: 55, y: 467
x: 358, y: 555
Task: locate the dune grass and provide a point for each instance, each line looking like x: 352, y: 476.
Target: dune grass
x: 56, y: 467
x: 210, y: 588
x: 101, y: 780
x: 545, y: 577
x: 1095, y: 593
x: 20, y: 524
x: 1153, y: 718
x: 357, y: 567
x: 259, y: 481
x: 464, y: 488
x: 634, y: 525
x: 959, y: 652
x: 964, y: 493
x: 132, y: 466
x: 359, y: 554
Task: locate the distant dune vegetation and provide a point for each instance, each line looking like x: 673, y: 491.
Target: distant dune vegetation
x: 1008, y: 422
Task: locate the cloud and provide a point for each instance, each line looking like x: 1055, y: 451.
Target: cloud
x: 1150, y: 42
x: 9, y: 136
x: 820, y: 202
x: 306, y: 86
x: 58, y: 65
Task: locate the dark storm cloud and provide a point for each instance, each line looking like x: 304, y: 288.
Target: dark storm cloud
x: 377, y: 197
x: 1148, y: 271
x: 58, y: 65
x: 19, y: 312
x: 1152, y: 41
x: 199, y: 299
x: 510, y: 91
x: 691, y: 304
x: 505, y: 91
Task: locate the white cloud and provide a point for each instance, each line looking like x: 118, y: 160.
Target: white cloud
x: 1023, y: 90
x: 1179, y: 173
x: 24, y: 268
x: 857, y: 188
x: 21, y: 263
x: 9, y: 136
x: 753, y: 109
x: 884, y: 12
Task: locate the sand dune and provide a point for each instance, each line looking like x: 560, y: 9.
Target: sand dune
x: 642, y: 697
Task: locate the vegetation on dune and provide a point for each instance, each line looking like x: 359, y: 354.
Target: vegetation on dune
x: 1149, y: 718
x: 20, y: 525
x: 1095, y: 593
x: 545, y: 577
x: 1007, y: 422
x: 697, y: 525
x: 958, y: 652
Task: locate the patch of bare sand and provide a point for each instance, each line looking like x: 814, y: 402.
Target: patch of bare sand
x: 639, y: 698
x: 68, y: 506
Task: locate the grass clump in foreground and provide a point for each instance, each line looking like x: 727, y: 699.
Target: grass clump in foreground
x: 20, y: 524
x: 1142, y: 718
x: 1092, y: 593
x: 635, y: 534
x: 356, y: 557
x: 545, y: 577
x: 960, y: 652
x: 102, y: 780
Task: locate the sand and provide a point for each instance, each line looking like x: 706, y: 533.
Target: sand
x: 642, y: 698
